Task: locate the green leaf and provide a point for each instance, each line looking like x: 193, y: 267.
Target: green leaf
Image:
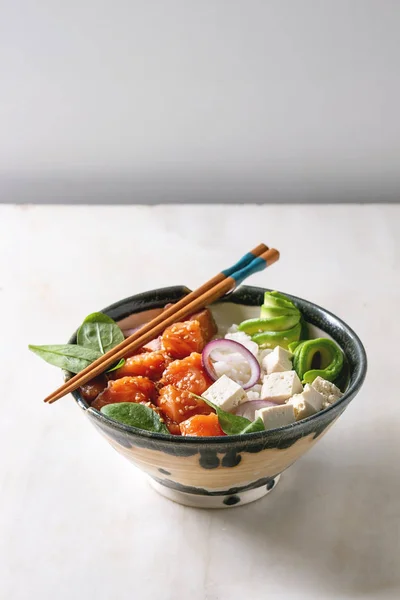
x: 257, y: 425
x: 117, y: 366
x: 233, y: 424
x: 67, y: 356
x: 135, y: 415
x: 99, y: 332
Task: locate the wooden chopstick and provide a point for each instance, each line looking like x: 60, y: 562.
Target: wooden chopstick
x: 211, y: 291
x: 243, y: 262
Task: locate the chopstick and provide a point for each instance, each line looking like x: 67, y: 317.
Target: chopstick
x: 208, y: 293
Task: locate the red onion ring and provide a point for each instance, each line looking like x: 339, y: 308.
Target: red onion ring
x: 248, y: 409
x: 223, y: 344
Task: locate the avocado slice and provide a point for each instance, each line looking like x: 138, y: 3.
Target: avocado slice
x: 252, y: 326
x: 319, y: 357
x: 293, y: 345
x: 269, y: 312
x: 275, y: 299
x: 270, y: 339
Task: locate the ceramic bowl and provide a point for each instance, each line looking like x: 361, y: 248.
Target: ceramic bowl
x: 232, y: 470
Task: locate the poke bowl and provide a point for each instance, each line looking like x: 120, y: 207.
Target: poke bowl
x: 224, y: 469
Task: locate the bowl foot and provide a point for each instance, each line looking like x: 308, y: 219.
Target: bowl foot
x: 220, y: 501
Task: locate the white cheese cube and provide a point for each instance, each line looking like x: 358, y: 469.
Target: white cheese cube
x: 277, y: 361
x: 262, y: 354
x: 307, y: 403
x: 329, y: 390
x: 279, y: 387
x: 226, y: 393
x: 276, y: 416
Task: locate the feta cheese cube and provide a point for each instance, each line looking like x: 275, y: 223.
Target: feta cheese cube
x: 329, y: 390
x: 307, y: 403
x: 276, y: 416
x: 226, y: 393
x: 277, y: 361
x: 279, y: 387
x: 262, y: 354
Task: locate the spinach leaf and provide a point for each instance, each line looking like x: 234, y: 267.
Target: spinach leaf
x: 67, y: 356
x: 233, y: 424
x: 136, y: 415
x: 257, y: 425
x: 99, y: 332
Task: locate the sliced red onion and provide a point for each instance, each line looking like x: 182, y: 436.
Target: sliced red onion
x: 223, y: 346
x: 248, y: 409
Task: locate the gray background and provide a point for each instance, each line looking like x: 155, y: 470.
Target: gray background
x: 203, y: 101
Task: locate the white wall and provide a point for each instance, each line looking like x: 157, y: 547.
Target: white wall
x: 213, y: 100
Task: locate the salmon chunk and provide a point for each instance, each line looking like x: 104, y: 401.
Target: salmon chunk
x: 126, y: 389
x: 181, y: 339
x: 201, y: 426
x: 171, y: 425
x: 146, y: 364
x: 93, y: 388
x: 187, y: 374
x: 178, y: 405
x: 207, y: 323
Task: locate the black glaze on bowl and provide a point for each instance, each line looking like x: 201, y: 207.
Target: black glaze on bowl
x: 227, y: 451
x: 268, y: 482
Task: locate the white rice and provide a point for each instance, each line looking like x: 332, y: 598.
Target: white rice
x: 254, y: 393
x: 235, y: 366
x: 245, y: 340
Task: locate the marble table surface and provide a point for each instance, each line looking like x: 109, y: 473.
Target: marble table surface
x: 78, y: 521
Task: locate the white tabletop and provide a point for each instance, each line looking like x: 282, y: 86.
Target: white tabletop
x: 78, y: 521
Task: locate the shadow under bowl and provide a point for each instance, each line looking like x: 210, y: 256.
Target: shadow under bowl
x: 231, y: 470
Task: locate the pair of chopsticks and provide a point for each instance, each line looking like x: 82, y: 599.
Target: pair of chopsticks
x: 256, y: 260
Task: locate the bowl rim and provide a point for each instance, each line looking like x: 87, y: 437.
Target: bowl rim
x: 352, y: 390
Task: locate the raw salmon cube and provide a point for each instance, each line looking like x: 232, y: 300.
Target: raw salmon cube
x: 201, y: 426
x: 180, y: 339
x: 93, y: 388
x: 146, y: 364
x: 179, y: 405
x: 207, y: 323
x: 187, y: 374
x: 126, y: 389
x: 172, y: 426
